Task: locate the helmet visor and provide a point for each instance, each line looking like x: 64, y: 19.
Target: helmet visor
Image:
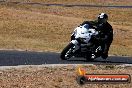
x: 102, y: 20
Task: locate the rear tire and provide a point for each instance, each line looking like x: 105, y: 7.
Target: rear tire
x: 65, y: 50
x: 89, y: 58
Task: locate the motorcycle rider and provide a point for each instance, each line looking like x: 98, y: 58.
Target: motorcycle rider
x: 106, y: 32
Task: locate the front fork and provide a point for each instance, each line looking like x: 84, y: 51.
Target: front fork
x: 76, y: 47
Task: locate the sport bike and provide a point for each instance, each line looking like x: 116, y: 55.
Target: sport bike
x: 83, y: 44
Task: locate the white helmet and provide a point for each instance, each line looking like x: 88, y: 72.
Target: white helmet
x: 102, y: 18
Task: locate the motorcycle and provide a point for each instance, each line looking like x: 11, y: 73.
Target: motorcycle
x: 82, y: 44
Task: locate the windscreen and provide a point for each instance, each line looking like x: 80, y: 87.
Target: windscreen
x: 86, y: 26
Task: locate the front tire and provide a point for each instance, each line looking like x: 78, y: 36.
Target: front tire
x: 65, y: 50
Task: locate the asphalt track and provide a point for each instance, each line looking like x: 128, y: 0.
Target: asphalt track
x: 15, y: 58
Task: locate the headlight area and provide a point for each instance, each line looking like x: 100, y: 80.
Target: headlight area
x: 81, y: 40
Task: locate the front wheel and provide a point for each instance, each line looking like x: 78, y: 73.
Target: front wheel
x: 67, y: 52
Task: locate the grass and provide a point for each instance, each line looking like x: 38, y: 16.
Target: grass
x: 43, y: 28
x: 97, y: 2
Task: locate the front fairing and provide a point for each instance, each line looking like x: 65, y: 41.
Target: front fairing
x: 84, y: 33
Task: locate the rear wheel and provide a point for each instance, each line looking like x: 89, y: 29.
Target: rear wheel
x: 88, y: 58
x: 67, y: 52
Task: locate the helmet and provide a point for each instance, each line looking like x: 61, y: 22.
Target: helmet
x: 102, y: 18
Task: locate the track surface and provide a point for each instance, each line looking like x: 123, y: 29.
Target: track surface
x: 14, y: 58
